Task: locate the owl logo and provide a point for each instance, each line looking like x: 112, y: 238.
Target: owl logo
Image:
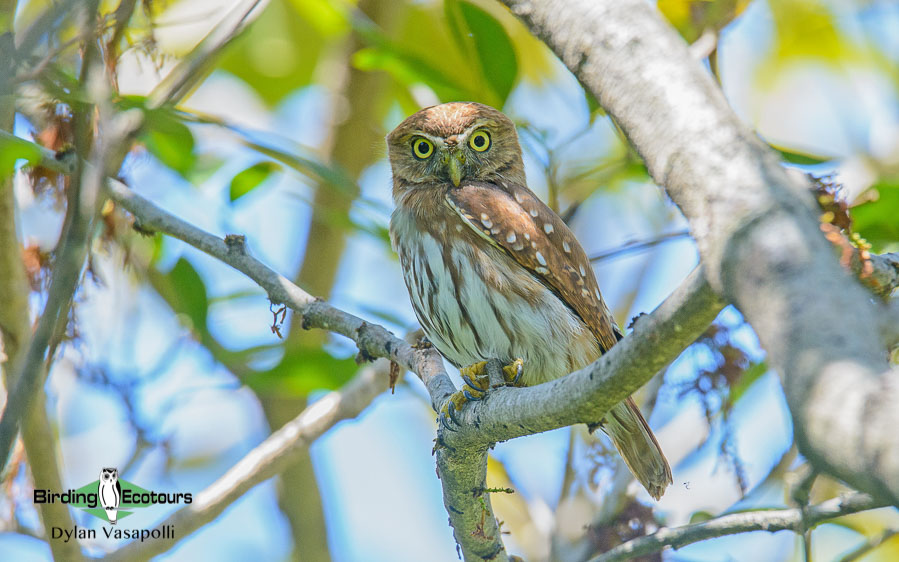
x: 110, y: 492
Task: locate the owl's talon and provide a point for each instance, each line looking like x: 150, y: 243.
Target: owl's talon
x: 452, y: 415
x: 448, y: 412
x: 513, y: 371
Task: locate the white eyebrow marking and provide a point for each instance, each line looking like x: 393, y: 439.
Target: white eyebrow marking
x: 534, y: 213
x: 511, y: 237
x: 566, y: 247
x: 485, y: 220
x: 583, y: 271
x: 541, y: 259
x: 548, y: 228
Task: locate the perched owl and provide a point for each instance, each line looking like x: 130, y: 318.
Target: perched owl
x: 492, y: 272
x: 110, y: 492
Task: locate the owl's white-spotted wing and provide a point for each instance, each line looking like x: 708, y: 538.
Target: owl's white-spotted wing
x: 511, y: 217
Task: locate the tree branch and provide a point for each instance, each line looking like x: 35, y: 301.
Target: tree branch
x: 757, y: 230
x: 266, y: 460
x: 732, y: 524
x: 38, y: 437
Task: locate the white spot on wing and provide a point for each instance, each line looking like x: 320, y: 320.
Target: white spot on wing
x: 511, y: 238
x: 548, y: 228
x: 583, y: 271
x: 527, y: 236
x: 517, y: 195
x: 542, y: 270
x: 541, y: 259
x: 467, y: 219
x: 566, y: 247
x: 534, y: 212
x: 485, y: 220
x: 599, y: 296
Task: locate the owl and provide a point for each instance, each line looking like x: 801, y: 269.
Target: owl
x: 110, y: 492
x: 493, y: 273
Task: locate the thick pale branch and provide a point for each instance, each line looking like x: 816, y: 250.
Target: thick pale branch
x: 268, y: 459
x: 585, y: 396
x: 757, y: 230
x: 767, y: 520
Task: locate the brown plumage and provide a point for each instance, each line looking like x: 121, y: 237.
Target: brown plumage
x: 493, y: 272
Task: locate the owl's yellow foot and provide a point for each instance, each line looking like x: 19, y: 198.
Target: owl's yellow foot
x: 475, y: 388
x: 512, y: 373
x: 477, y: 382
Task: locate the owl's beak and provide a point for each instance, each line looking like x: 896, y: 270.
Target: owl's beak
x: 454, y: 167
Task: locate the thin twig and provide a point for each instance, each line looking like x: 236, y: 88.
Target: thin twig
x: 634, y: 246
x: 771, y: 521
x: 266, y: 460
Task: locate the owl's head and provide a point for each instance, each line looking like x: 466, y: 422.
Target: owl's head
x: 449, y: 143
x: 109, y: 474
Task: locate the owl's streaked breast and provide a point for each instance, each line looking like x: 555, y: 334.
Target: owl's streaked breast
x: 475, y: 302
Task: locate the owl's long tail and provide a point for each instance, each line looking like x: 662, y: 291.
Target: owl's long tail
x: 633, y: 438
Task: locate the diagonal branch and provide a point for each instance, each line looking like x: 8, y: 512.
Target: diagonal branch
x: 732, y: 524
x: 756, y: 229
x: 266, y: 460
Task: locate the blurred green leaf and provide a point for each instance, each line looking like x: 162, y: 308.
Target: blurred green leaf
x: 12, y: 149
x: 799, y: 157
x: 279, y: 52
x: 877, y: 219
x: 172, y: 143
x: 325, y: 15
x: 302, y: 371
x: 692, y: 17
x: 746, y: 380
x: 700, y: 516
x: 189, y: 294
x: 249, y: 179
x: 420, y: 52
x: 408, y: 69
x: 494, y: 49
x: 165, y: 135
x: 205, y: 166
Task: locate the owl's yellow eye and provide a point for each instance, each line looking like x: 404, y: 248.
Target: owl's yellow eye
x: 479, y: 141
x: 422, y: 148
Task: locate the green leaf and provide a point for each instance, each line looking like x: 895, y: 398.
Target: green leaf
x: 408, y: 69
x: 302, y: 371
x: 746, y: 380
x: 13, y: 149
x: 251, y: 178
x: 169, y: 140
x: 700, y: 516
x: 279, y: 52
x: 189, y: 295
x: 876, y: 219
x: 494, y: 49
x: 799, y: 157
